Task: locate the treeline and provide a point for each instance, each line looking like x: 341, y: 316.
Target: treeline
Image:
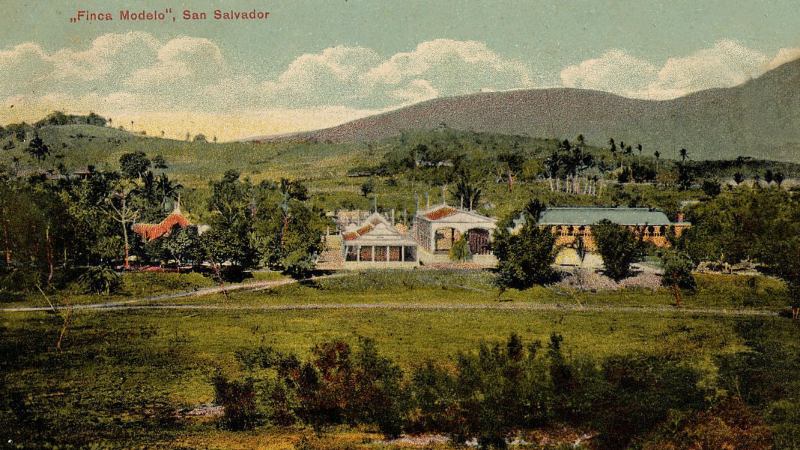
x: 53, y: 230
x: 756, y: 224
x: 19, y: 130
x: 494, y: 395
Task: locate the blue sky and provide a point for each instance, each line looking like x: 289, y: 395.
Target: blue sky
x: 318, y: 63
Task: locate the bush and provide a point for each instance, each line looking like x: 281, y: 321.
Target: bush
x: 238, y: 399
x: 100, y: 280
x: 460, y: 250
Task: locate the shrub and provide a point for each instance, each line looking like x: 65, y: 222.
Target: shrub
x: 460, y: 250
x: 100, y: 280
x: 238, y: 399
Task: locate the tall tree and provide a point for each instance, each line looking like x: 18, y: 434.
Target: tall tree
x: 119, y: 208
x: 619, y: 248
x: 37, y: 148
x: 134, y: 165
x: 677, y: 273
x: 526, y: 257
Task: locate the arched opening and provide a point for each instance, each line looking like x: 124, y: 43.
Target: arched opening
x: 478, y: 239
x: 445, y: 238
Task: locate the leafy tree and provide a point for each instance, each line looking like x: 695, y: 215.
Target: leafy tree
x: 134, y: 165
x: 525, y: 258
x: 677, y: 272
x: 768, y: 177
x: 231, y: 223
x: 685, y: 176
x: 183, y: 244
x: 738, y: 178
x: 784, y: 257
x: 38, y: 149
x: 779, y: 178
x: 619, y: 248
x: 287, y: 233
x: 200, y: 137
x: 368, y: 187
x: 711, y: 188
x: 159, y: 162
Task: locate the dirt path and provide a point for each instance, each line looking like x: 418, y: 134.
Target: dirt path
x: 123, y: 304
x: 720, y: 312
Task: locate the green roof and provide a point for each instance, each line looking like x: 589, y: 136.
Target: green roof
x: 593, y: 215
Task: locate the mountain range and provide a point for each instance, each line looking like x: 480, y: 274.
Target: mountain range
x: 759, y: 118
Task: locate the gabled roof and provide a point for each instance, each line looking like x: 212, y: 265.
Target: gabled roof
x: 376, y: 230
x: 149, y: 231
x: 442, y: 212
x: 593, y: 215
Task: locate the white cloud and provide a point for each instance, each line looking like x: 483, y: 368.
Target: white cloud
x: 450, y: 68
x: 184, y: 60
x: 614, y: 71
x: 135, y: 74
x: 725, y: 64
x: 783, y: 56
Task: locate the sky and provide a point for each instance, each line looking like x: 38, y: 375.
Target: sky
x: 314, y: 64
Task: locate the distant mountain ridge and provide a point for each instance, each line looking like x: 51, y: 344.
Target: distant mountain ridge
x: 760, y: 118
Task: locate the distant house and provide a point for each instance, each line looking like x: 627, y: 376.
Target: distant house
x: 149, y: 232
x: 376, y: 242
x: 437, y: 228
x: 569, y: 224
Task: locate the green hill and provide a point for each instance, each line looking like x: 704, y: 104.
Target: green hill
x: 760, y: 118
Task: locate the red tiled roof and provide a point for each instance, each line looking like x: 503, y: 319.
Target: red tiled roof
x: 350, y: 235
x: 149, y: 231
x: 440, y: 213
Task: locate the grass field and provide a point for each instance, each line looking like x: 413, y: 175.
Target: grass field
x: 122, y: 372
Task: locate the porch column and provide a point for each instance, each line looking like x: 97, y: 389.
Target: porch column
x: 373, y: 253
x: 387, y: 253
x: 358, y: 253
x: 403, y: 253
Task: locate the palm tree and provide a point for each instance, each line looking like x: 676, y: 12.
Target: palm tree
x: 168, y: 189
x: 684, y: 155
x: 657, y: 154
x: 612, y: 147
x: 468, y: 193
x: 639, y: 147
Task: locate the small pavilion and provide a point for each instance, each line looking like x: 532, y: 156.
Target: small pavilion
x: 376, y: 242
x: 437, y: 228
